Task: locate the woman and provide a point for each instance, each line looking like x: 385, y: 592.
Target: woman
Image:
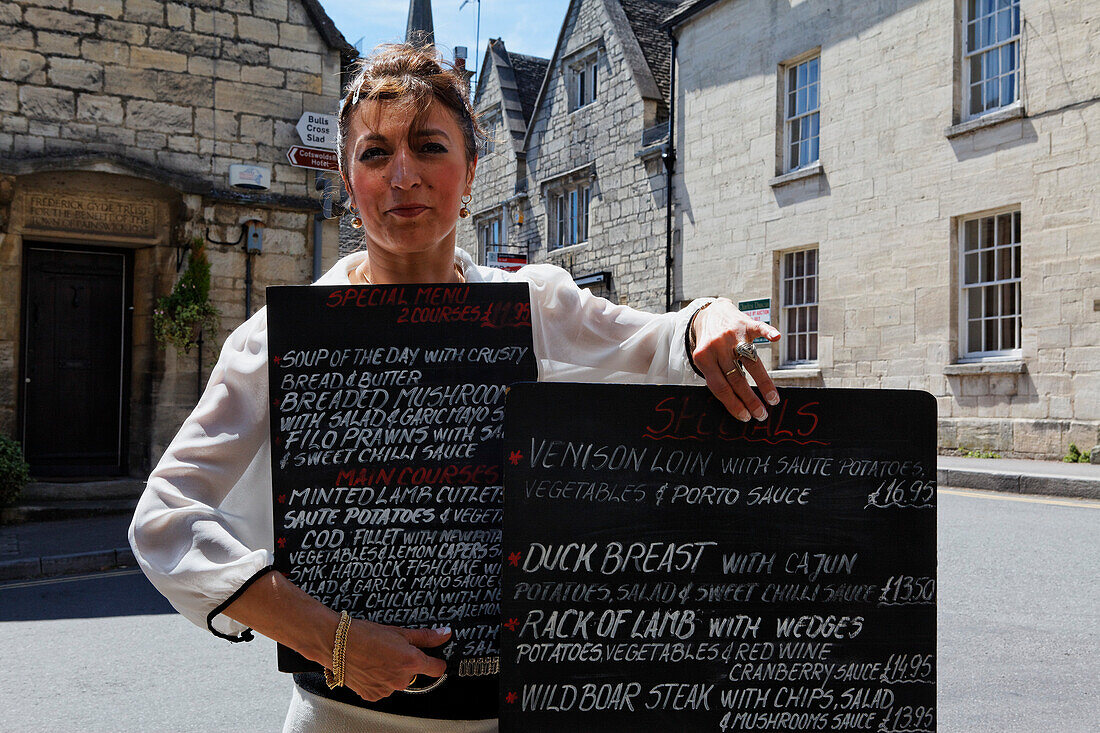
x: 202, y: 531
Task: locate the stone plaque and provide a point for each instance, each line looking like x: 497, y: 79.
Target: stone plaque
x: 92, y: 215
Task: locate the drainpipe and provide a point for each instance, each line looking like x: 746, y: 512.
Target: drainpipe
x: 669, y: 157
x: 318, y: 220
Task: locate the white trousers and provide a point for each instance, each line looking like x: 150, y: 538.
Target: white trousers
x: 311, y: 713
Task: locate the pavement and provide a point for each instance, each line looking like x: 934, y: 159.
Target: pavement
x: 91, y: 536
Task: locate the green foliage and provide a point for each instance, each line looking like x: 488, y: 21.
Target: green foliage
x: 182, y: 314
x: 14, y: 471
x: 982, y: 454
x: 1076, y: 455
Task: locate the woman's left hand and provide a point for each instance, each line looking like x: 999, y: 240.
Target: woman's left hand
x: 718, y: 330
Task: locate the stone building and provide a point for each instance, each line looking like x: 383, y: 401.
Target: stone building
x: 586, y: 187
x: 913, y: 185
x: 119, y: 121
x: 508, y: 86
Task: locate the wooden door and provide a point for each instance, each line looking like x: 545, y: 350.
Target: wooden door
x: 75, y: 359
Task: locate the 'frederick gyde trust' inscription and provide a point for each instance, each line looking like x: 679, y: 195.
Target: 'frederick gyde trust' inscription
x: 95, y: 215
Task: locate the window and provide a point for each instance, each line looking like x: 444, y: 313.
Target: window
x: 570, y: 215
x: 491, y: 125
x: 799, y: 299
x: 991, y: 65
x: 801, y: 114
x: 583, y: 82
x: 490, y: 233
x: 990, y: 285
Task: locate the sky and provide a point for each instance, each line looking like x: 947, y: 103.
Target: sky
x: 527, y: 26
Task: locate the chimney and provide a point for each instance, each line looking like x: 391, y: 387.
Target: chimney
x: 460, y: 66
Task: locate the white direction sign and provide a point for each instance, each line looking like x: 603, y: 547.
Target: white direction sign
x: 317, y: 130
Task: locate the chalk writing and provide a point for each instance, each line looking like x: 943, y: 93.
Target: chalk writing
x: 387, y: 409
x: 667, y: 567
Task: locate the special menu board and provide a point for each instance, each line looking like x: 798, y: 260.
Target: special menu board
x: 386, y: 422
x: 669, y: 568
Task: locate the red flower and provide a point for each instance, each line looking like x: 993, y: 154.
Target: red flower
x: 510, y: 624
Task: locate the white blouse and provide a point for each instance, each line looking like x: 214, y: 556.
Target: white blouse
x: 203, y: 527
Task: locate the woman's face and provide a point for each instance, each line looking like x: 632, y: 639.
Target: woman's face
x: 407, y: 183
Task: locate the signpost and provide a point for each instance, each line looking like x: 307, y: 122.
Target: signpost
x: 317, y: 130
x: 504, y: 261
x: 317, y: 159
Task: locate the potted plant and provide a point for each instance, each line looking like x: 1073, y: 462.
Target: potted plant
x: 13, y: 471
x: 181, y: 316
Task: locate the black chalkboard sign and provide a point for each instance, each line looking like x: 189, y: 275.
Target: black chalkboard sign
x: 386, y: 420
x: 669, y: 568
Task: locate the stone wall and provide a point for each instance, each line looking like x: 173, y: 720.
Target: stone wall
x: 497, y: 172
x: 149, y: 100
x: 885, y: 208
x: 626, y: 217
x: 188, y: 87
x: 626, y: 227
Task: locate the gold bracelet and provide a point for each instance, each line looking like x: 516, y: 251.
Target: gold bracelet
x: 689, y: 337
x: 335, y: 677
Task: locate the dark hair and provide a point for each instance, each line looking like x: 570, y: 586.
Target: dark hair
x: 412, y: 77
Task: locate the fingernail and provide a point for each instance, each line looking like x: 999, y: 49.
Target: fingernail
x: 772, y: 398
x: 743, y: 416
x: 443, y: 630
x: 761, y: 414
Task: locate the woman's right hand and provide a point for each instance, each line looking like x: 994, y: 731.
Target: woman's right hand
x: 380, y: 659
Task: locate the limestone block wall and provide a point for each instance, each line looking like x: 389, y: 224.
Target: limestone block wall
x: 626, y: 219
x: 885, y: 209
x: 188, y: 87
x: 148, y: 103
x: 496, y: 177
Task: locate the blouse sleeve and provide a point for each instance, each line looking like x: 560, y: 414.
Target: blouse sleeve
x: 202, y: 528
x: 582, y: 337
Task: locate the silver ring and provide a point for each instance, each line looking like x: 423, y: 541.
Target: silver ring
x: 747, y: 350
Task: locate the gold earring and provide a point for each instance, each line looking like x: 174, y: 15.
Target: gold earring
x: 356, y: 221
x: 464, y: 212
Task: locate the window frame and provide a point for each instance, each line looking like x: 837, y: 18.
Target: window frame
x: 571, y: 214
x: 490, y: 122
x: 965, y: 354
x: 484, y: 224
x: 583, y: 79
x: 787, y: 309
x: 966, y: 54
x: 786, y: 69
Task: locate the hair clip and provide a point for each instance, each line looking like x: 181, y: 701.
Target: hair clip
x: 352, y: 97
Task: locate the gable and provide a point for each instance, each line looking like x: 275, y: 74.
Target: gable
x: 328, y: 30
x: 645, y: 18
x: 516, y: 77
x: 625, y: 16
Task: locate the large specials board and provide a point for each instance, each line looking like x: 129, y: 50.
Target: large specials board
x: 386, y: 419
x: 669, y: 568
